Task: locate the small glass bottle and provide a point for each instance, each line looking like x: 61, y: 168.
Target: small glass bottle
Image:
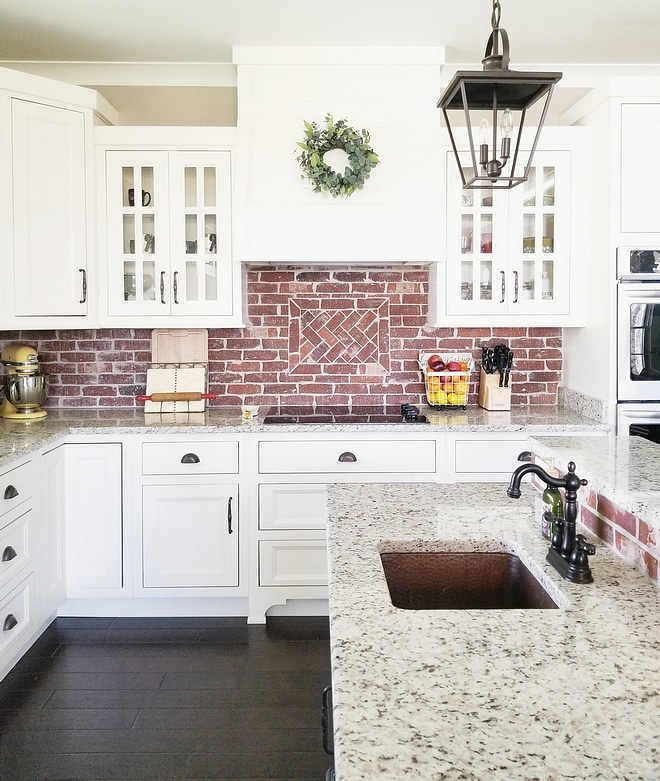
x: 551, y: 501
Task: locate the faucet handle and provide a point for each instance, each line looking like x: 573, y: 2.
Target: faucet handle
x: 578, y: 570
x: 581, y: 544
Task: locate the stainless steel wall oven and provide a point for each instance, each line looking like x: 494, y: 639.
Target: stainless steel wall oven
x: 638, y: 338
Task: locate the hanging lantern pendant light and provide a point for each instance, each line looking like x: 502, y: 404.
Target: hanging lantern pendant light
x: 504, y: 94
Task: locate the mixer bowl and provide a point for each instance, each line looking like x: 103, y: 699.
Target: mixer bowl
x: 27, y: 392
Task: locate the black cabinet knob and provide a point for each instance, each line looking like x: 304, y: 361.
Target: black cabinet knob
x: 9, y: 553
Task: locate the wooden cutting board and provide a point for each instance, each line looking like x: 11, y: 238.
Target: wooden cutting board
x: 176, y: 380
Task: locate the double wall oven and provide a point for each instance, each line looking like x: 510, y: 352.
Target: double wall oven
x: 638, y: 342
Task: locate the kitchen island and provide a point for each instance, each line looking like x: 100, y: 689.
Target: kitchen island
x: 485, y: 694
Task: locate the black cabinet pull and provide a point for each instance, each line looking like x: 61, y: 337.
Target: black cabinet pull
x: 84, y: 286
x: 190, y: 458
x: 326, y: 708
x: 176, y: 287
x: 229, y: 516
x: 10, y: 622
x: 347, y: 457
x: 11, y: 492
x: 503, y: 287
x: 162, y: 287
x: 9, y: 553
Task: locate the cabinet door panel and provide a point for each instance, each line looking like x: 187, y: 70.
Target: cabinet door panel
x: 292, y: 506
x: 187, y: 537
x: 138, y: 233
x: 49, y: 192
x: 293, y: 563
x: 201, y: 232
x: 94, y: 516
x: 640, y: 197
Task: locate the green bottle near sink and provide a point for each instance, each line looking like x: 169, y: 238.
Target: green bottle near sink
x: 551, y: 501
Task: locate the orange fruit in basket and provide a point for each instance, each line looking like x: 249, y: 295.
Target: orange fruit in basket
x: 463, y: 366
x: 448, y: 386
x: 433, y: 383
x: 461, y: 387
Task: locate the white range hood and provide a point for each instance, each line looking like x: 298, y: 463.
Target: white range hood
x: 392, y: 92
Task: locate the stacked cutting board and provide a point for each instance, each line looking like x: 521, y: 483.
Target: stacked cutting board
x: 177, y: 381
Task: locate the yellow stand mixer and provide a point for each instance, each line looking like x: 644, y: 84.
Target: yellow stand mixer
x: 23, y: 384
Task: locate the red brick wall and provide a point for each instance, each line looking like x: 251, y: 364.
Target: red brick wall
x: 350, y: 334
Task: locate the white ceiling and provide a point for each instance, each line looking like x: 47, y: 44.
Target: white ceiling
x: 203, y: 31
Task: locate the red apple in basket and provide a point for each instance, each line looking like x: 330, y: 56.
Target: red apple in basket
x: 453, y: 366
x: 435, y: 363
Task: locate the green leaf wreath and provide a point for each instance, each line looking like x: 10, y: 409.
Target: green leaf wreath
x: 336, y: 135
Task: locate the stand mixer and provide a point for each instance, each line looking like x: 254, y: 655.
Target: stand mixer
x: 23, y: 384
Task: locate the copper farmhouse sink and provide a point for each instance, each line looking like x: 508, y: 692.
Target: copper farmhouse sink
x: 462, y: 580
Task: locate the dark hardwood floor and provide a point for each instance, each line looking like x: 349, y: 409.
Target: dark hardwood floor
x: 188, y: 698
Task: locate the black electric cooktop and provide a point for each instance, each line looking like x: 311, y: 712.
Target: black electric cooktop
x: 406, y: 413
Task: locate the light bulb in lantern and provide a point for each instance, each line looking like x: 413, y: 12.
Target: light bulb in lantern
x: 484, y: 132
x: 506, y: 127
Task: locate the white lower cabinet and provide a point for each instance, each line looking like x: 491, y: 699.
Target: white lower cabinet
x: 483, y: 457
x: 20, y: 619
x: 189, y: 541
x: 94, y: 519
x: 288, y: 555
x: 189, y: 536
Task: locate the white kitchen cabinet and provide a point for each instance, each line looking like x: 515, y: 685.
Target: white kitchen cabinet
x: 166, y: 232
x: 19, y: 617
x: 512, y: 253
x: 94, y: 519
x: 640, y: 199
x: 46, y: 203
x: 190, y: 536
x: 52, y: 509
x: 190, y: 531
x: 288, y: 554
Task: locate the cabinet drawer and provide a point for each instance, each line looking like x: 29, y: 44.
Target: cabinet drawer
x: 347, y: 457
x: 15, y: 547
x: 16, y: 615
x: 488, y: 456
x: 292, y: 506
x: 293, y: 563
x: 192, y: 458
x: 16, y: 487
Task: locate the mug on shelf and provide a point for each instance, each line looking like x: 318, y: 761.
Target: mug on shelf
x: 146, y: 197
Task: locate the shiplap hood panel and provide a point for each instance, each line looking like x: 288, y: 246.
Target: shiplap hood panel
x: 392, y: 93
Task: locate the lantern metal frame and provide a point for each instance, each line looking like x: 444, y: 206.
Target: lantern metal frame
x: 496, y: 89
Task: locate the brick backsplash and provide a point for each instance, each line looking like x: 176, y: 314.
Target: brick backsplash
x: 342, y: 333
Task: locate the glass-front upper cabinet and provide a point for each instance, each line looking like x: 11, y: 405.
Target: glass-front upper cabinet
x: 508, y: 250
x: 169, y: 233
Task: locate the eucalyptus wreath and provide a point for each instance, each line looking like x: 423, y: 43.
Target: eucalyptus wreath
x: 336, y: 135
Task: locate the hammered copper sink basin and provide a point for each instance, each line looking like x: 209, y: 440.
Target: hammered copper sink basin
x: 462, y: 580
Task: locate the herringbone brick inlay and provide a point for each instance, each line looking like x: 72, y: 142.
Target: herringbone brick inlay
x: 355, y: 336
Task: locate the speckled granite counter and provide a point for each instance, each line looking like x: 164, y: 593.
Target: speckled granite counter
x: 499, y: 695
x: 17, y: 438
x: 626, y: 470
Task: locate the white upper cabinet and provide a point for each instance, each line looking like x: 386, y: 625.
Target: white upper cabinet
x: 166, y: 221
x: 46, y: 234
x: 511, y: 253
x: 640, y: 197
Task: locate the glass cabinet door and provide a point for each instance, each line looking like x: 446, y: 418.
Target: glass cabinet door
x: 539, y: 235
x: 475, y: 247
x: 137, y: 232
x: 200, y: 232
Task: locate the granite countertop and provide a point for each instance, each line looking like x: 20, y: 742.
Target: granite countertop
x: 18, y: 438
x: 625, y: 470
x: 498, y: 695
